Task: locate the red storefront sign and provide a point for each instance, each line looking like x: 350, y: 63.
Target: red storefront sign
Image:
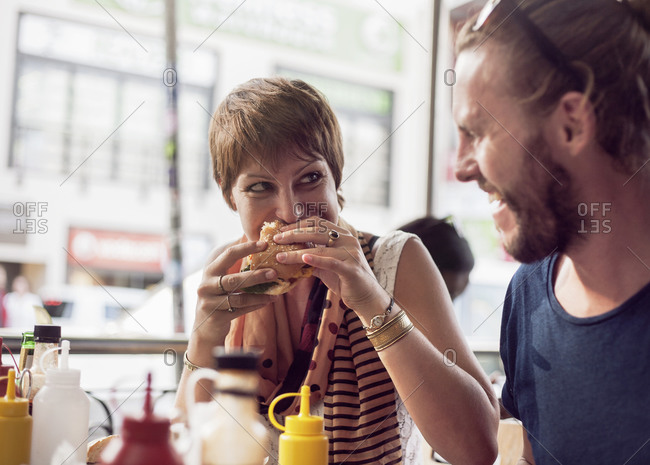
x: 115, y: 250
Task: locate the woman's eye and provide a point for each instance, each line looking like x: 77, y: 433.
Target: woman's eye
x: 311, y: 177
x: 259, y: 187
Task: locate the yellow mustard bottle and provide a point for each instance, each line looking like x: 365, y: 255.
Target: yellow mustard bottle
x: 15, y: 426
x: 303, y: 441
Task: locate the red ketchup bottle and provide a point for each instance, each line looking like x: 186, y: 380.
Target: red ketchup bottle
x: 146, y: 440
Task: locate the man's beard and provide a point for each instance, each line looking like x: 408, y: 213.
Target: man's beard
x: 544, y: 207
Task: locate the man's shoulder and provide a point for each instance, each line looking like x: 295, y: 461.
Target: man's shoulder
x: 528, y: 288
x: 533, y: 275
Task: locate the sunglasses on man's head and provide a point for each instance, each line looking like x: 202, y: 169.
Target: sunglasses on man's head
x: 511, y: 9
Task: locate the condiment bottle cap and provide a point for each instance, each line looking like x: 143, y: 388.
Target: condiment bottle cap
x: 10, y: 405
x: 302, y: 424
x: 63, y: 375
x: 149, y: 428
x: 236, y: 360
x: 47, y: 332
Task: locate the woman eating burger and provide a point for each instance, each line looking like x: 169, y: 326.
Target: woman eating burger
x: 365, y: 322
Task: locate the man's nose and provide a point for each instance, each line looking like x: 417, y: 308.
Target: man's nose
x: 466, y: 168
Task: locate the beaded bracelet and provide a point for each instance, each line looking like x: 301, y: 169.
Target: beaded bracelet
x: 391, y: 332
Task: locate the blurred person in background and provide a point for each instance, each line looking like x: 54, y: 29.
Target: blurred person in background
x: 277, y: 155
x: 553, y: 113
x: 450, y: 251
x: 19, y: 305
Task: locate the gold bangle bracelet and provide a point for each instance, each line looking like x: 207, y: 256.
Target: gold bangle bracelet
x: 393, y: 341
x: 190, y: 366
x: 392, y: 332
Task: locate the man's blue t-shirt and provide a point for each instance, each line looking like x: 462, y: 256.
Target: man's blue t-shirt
x: 580, y: 386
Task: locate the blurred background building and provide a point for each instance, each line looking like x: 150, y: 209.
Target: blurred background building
x: 84, y: 198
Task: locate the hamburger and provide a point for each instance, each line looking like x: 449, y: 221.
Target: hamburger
x: 288, y: 275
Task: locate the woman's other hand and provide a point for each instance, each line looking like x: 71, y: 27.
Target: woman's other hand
x: 338, y: 260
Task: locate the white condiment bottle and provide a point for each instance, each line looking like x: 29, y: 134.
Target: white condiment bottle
x: 60, y: 413
x: 228, y: 430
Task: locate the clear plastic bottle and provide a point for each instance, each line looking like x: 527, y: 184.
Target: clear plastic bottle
x: 228, y: 430
x: 60, y: 412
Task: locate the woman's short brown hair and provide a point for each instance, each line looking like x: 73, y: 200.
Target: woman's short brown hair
x: 265, y: 120
x: 606, y: 41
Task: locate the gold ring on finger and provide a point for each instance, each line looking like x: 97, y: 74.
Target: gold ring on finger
x: 334, y: 235
x: 220, y: 285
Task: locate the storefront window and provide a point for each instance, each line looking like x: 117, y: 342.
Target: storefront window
x: 67, y: 107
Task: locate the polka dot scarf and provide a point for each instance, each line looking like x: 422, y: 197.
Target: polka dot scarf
x: 337, y: 361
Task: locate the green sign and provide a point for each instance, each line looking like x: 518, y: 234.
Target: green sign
x: 347, y: 95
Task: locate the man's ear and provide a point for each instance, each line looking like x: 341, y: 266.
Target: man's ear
x: 574, y: 122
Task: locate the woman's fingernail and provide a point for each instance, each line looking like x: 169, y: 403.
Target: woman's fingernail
x: 278, y: 237
x: 269, y: 274
x: 260, y: 243
x: 281, y: 256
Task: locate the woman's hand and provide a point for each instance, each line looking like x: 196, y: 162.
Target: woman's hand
x: 217, y: 294
x: 337, y: 259
x: 219, y: 299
